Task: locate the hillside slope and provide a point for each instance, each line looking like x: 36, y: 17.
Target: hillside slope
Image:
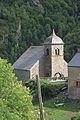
x: 28, y: 22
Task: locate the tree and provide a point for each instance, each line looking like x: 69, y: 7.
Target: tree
x: 62, y: 15
x: 15, y: 100
x: 47, y: 29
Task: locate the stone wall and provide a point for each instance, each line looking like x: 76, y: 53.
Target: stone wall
x: 74, y: 74
x: 65, y: 68
x: 34, y: 70
x: 41, y: 67
x: 58, y: 64
x: 23, y: 75
x: 47, y: 61
x: 60, y: 47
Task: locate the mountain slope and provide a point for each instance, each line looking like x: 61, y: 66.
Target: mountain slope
x: 28, y: 22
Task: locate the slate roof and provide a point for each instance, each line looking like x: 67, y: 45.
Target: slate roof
x: 29, y: 58
x: 53, y: 39
x: 75, y: 61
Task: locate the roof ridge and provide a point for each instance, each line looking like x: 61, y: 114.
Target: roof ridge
x: 36, y: 46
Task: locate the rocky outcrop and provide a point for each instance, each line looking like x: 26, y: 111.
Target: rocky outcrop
x: 39, y: 5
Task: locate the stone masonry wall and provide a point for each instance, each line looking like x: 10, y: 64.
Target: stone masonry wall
x: 74, y: 74
x: 22, y: 75
x: 47, y: 61
x: 58, y: 62
x: 41, y: 67
x: 34, y: 70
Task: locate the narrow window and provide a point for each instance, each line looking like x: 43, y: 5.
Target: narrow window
x: 47, y: 51
x: 57, y: 51
x: 76, y: 83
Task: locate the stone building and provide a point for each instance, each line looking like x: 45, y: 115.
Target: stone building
x: 46, y: 61
x: 74, y: 77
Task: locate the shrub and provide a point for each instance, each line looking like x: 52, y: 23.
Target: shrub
x: 76, y: 117
x: 48, y: 89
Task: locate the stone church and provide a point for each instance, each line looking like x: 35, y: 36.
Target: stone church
x: 46, y: 61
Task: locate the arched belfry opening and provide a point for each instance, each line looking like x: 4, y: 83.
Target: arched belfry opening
x: 57, y: 51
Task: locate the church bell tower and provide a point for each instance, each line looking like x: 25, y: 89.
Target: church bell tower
x: 55, y: 65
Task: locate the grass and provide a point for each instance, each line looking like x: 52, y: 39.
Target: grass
x: 61, y: 112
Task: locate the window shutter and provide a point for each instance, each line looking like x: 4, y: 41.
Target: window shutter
x: 74, y: 83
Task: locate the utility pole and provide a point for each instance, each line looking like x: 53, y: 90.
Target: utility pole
x: 40, y: 99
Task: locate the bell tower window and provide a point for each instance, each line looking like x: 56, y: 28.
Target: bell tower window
x: 47, y: 51
x: 57, y: 51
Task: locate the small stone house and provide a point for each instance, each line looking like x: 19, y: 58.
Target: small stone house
x: 74, y: 77
x: 46, y: 61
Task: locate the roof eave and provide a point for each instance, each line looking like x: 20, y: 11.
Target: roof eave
x: 73, y: 66
x: 53, y: 43
x: 21, y: 69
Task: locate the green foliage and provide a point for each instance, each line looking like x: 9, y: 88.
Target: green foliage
x: 15, y: 100
x: 54, y: 111
x: 62, y: 112
x: 76, y: 117
x: 37, y: 18
x: 48, y: 90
